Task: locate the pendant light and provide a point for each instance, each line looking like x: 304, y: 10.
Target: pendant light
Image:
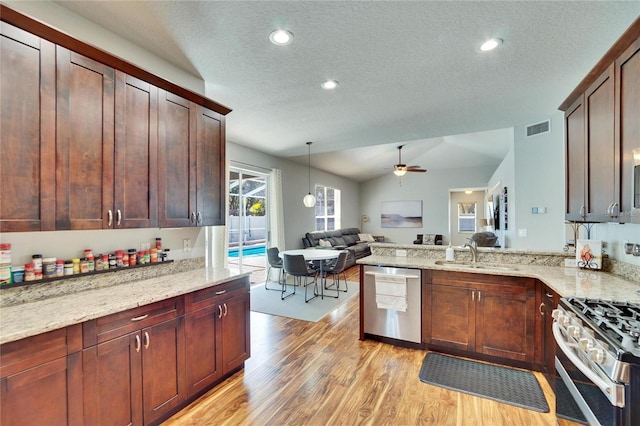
x: 309, y: 200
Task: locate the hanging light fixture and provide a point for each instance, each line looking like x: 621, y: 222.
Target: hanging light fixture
x: 309, y: 200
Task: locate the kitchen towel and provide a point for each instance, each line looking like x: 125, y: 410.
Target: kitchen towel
x: 391, y: 292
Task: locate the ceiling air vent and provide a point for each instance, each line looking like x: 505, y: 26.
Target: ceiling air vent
x: 538, y: 128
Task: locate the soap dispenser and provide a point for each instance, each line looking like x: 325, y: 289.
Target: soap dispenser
x: 449, y: 253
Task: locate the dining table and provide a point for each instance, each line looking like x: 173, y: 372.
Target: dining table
x: 317, y: 256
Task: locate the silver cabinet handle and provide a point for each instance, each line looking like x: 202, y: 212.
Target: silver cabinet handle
x: 140, y: 318
x: 118, y: 217
x: 225, y: 309
x: 549, y: 295
x: 146, y: 340
x: 198, y: 218
x: 110, y: 216
x: 221, y: 292
x: 473, y: 296
x: 582, y: 211
x: 479, y: 295
x: 219, y: 311
x: 137, y: 343
x: 193, y: 217
x: 615, y: 210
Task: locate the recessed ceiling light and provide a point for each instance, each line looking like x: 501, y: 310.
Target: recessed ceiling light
x: 281, y: 37
x: 330, y: 85
x: 491, y: 44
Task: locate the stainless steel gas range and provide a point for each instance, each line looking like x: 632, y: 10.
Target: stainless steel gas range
x: 598, y: 358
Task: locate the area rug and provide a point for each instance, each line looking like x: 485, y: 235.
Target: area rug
x: 502, y: 384
x: 268, y: 302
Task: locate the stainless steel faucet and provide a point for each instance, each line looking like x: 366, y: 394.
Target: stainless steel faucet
x: 473, y: 247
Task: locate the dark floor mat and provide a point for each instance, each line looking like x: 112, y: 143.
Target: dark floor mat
x: 508, y: 385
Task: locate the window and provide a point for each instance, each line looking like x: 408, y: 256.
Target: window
x: 467, y: 217
x: 327, y: 208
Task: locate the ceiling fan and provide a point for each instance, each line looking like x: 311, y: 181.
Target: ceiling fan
x: 400, y: 169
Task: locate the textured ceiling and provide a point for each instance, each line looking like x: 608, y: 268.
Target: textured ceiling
x: 409, y: 72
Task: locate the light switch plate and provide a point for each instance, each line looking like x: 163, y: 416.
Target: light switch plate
x: 186, y: 244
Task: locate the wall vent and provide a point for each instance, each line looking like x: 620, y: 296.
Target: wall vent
x: 538, y: 128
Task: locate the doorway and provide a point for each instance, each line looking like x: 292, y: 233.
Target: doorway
x: 248, y: 221
x: 467, y: 211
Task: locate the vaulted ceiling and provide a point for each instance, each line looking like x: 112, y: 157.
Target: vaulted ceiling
x: 410, y: 72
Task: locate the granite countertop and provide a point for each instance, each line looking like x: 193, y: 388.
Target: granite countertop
x: 565, y: 281
x: 29, y: 319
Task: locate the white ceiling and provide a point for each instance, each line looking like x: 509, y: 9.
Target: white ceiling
x: 410, y: 72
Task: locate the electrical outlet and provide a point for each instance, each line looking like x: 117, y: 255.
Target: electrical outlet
x: 186, y: 244
x: 522, y: 232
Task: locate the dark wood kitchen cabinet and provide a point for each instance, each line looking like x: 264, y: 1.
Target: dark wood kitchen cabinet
x: 217, y: 333
x: 481, y: 315
x: 601, y: 131
x: 191, y: 164
x: 27, y: 140
x: 82, y: 129
x: 41, y: 379
x: 133, y: 364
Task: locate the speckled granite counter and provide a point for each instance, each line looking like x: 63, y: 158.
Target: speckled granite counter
x: 28, y: 319
x: 545, y: 266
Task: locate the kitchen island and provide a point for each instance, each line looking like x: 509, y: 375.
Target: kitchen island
x: 497, y: 309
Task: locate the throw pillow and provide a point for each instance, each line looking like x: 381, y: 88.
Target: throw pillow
x: 429, y: 239
x: 366, y: 238
x: 324, y: 243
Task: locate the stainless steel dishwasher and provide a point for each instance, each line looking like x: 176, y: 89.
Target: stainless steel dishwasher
x: 392, y: 323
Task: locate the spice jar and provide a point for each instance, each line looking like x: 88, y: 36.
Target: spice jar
x: 29, y: 272
x: 125, y: 258
x: 17, y: 274
x: 88, y: 254
x: 133, y: 258
x: 98, y: 263
x: 119, y: 258
x: 105, y: 261
x: 159, y: 243
x: 153, y: 255
x: 37, y: 262
x: 68, y: 267
x: 141, y: 257
x: 48, y: 267
x: 84, y: 265
x: 76, y: 265
x: 59, y: 268
x: 112, y: 261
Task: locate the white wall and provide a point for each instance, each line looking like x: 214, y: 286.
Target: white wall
x: 539, y: 182
x: 299, y: 219
x: 431, y: 187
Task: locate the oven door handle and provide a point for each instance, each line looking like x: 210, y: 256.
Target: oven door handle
x: 605, y: 387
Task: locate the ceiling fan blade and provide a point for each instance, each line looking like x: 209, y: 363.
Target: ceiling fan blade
x: 417, y: 170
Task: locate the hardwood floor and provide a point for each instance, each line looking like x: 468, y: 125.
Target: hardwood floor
x: 303, y: 373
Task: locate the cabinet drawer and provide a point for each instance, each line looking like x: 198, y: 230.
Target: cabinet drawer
x: 208, y: 296
x: 116, y: 325
x: 32, y: 351
x: 484, y: 281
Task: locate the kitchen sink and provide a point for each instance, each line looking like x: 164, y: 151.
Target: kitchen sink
x: 488, y: 266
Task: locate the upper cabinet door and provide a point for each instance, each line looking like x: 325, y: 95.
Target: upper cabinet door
x: 601, y: 151
x: 210, y: 168
x: 84, y: 143
x: 576, y: 160
x: 27, y: 139
x: 136, y: 153
x: 627, y: 68
x: 176, y: 161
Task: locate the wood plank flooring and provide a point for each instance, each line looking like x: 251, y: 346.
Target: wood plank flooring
x: 303, y: 373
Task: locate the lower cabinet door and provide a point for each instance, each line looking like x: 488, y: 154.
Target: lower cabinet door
x: 505, y: 324
x: 235, y: 331
x: 452, y: 317
x: 112, y: 382
x: 162, y: 368
x: 203, y: 359
x: 37, y: 396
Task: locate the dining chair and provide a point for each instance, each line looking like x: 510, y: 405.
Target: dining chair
x: 274, y: 263
x: 335, y: 269
x: 296, y: 266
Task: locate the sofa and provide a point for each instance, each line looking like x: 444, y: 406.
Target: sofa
x: 339, y: 239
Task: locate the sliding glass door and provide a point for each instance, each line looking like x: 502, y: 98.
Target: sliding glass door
x: 248, y: 221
